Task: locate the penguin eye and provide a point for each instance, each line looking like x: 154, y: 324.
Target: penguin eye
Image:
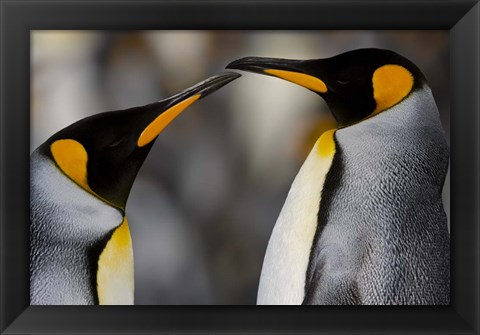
x: 116, y: 143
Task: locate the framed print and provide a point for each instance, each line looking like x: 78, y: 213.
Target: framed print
x: 223, y: 169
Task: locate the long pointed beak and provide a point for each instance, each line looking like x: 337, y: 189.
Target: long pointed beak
x: 287, y: 69
x: 206, y: 87
x: 260, y: 64
x: 180, y: 101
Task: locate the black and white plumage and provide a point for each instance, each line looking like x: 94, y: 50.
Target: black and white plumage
x: 382, y: 233
x: 363, y: 222
x: 69, y: 229
x: 80, y: 245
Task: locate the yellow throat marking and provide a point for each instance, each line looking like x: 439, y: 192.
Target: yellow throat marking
x: 115, y: 276
x: 302, y: 79
x: 326, y: 144
x: 391, y: 83
x: 72, y: 159
x: 163, y: 120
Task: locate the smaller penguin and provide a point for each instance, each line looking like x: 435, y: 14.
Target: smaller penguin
x: 363, y: 222
x: 80, y: 178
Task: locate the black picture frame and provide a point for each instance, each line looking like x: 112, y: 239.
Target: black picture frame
x: 18, y: 17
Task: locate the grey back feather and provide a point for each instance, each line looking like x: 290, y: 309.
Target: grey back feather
x: 382, y: 236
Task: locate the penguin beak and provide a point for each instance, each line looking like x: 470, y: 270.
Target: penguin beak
x: 287, y: 69
x: 180, y: 101
x: 207, y: 86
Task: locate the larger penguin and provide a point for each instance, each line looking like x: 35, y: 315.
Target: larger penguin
x: 363, y: 222
x: 81, y: 250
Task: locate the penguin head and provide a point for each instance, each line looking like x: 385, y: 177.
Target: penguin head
x: 356, y: 84
x: 103, y: 153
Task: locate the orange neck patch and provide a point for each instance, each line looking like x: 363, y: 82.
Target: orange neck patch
x: 391, y: 83
x: 302, y: 79
x: 163, y: 120
x: 72, y: 159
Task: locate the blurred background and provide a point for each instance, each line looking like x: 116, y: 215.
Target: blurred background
x: 205, y: 201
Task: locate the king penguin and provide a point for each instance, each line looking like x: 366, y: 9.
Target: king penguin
x: 363, y: 222
x: 80, y: 178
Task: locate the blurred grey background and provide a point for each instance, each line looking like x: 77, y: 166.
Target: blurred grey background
x: 203, y: 206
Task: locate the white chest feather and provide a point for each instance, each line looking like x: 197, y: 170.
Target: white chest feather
x: 285, y: 265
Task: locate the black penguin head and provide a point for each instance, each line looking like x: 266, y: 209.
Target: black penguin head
x: 356, y: 84
x: 103, y: 153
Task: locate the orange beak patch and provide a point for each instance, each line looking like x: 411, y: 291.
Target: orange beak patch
x: 163, y: 120
x: 302, y: 79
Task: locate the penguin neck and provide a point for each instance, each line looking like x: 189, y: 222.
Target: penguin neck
x: 414, y: 115
x: 286, y: 260
x: 78, y: 210
x: 69, y: 228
